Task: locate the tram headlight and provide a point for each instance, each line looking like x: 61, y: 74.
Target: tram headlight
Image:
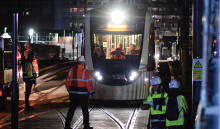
x: 131, y: 78
x: 99, y: 77
x: 97, y: 74
x: 134, y: 74
x: 117, y: 16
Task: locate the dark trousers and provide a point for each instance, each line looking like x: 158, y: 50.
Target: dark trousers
x: 74, y: 101
x: 27, y: 93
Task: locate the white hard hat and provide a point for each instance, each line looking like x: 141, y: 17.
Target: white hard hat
x: 174, y: 84
x: 155, y: 80
x: 81, y: 59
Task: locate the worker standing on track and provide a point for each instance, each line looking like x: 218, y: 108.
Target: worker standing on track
x: 34, y: 62
x: 156, y: 100
x: 29, y: 77
x: 79, y: 86
x: 176, y: 107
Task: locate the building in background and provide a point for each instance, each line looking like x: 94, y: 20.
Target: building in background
x: 50, y: 18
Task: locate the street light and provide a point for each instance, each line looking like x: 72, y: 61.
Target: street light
x: 31, y: 32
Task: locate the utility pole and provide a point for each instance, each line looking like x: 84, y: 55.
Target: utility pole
x: 15, y: 90
x: 197, y: 52
x: 83, y: 36
x: 185, y: 45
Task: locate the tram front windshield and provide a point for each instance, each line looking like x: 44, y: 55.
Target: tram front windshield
x: 115, y: 51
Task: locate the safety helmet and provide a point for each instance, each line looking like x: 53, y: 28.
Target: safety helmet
x: 27, y: 46
x: 174, y: 84
x: 30, y: 55
x: 81, y: 59
x: 155, y: 80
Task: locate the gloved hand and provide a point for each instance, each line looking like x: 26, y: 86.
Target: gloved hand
x: 145, y: 106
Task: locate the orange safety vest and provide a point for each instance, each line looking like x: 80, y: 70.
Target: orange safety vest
x: 117, y: 57
x: 35, y: 65
x: 79, y: 81
x: 19, y: 54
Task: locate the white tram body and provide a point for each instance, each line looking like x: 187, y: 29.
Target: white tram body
x: 120, y: 79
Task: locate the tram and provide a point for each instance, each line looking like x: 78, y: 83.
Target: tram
x: 132, y: 31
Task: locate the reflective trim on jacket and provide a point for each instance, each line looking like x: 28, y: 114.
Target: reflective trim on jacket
x: 183, y: 108
x: 79, y: 81
x: 28, y: 70
x: 158, y: 110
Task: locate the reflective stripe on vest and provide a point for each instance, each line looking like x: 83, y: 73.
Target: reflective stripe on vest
x: 156, y: 120
x: 25, y: 70
x: 74, y: 79
x: 75, y: 92
x: 150, y: 103
x: 178, y: 102
x: 181, y: 116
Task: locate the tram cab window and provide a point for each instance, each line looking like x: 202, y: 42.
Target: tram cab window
x: 107, y: 45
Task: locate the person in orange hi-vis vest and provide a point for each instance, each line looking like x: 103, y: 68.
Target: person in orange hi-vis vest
x: 118, y: 54
x: 34, y: 63
x: 79, y: 86
x: 19, y: 69
x: 112, y: 52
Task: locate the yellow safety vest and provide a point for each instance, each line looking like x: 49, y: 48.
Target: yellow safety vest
x: 158, y: 109
x: 183, y: 108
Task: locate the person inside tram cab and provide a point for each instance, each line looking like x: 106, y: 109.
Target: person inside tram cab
x: 118, y: 54
x: 112, y: 52
x: 102, y: 50
x: 98, y: 53
x: 132, y: 47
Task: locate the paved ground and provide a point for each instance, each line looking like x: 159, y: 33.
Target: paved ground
x: 51, y: 103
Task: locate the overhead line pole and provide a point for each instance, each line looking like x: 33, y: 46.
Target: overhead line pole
x: 15, y: 91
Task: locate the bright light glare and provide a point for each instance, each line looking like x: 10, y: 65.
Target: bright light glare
x: 134, y: 74
x: 157, y: 56
x: 97, y: 73
x: 146, y: 79
x: 31, y: 31
x: 131, y: 78
x: 117, y: 16
x: 99, y: 77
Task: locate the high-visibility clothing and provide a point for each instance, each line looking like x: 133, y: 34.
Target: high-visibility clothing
x: 19, y: 54
x: 79, y: 81
x: 34, y: 62
x: 112, y: 52
x: 158, y: 108
x: 28, y: 71
x: 118, y: 57
x: 35, y: 65
x: 183, y: 108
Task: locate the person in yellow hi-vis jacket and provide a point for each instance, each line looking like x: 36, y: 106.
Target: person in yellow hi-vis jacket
x: 156, y: 100
x: 29, y: 77
x: 176, y: 107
